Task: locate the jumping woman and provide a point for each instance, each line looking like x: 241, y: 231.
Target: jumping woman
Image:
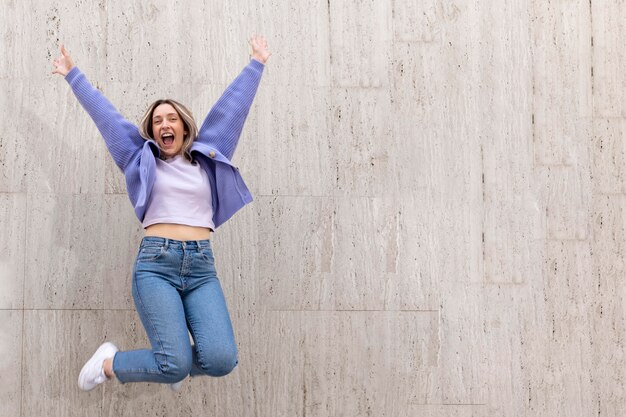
x: 182, y: 185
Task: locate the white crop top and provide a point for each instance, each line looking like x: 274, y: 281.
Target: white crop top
x: 181, y: 195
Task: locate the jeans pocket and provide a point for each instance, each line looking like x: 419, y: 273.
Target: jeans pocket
x: 150, y: 253
x: 207, y: 255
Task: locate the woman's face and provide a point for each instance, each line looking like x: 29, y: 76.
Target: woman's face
x: 168, y: 129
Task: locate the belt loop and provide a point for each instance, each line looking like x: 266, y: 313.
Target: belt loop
x: 167, y: 243
x: 199, y: 245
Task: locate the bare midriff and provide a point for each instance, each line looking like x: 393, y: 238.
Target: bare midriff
x: 178, y: 231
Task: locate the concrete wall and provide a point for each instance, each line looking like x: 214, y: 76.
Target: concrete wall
x: 439, y: 217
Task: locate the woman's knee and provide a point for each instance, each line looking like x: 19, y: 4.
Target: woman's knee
x: 218, y: 363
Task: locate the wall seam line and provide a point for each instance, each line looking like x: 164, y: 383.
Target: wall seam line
x: 23, y: 308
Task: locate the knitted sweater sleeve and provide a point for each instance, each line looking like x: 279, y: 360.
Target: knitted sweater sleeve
x: 224, y: 123
x: 121, y: 137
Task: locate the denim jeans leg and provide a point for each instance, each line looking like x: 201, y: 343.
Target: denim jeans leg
x: 161, y: 311
x: 214, y: 350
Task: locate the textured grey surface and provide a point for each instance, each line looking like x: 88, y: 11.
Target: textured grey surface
x: 52, y: 350
x: 439, y: 219
x: 11, y: 322
x: 68, y: 252
x: 609, y: 63
x: 12, y: 250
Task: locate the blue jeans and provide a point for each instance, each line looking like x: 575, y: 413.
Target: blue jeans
x: 176, y: 289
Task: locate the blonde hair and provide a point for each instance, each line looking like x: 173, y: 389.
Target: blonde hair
x: 145, y: 127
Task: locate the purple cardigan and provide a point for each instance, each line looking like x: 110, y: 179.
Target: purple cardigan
x: 213, y: 148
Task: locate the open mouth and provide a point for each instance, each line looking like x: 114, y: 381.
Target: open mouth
x: 167, y: 139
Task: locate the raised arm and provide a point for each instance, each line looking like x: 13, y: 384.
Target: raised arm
x: 223, y: 125
x: 121, y: 137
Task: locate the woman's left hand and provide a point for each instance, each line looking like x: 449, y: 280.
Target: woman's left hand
x: 260, y: 52
x: 64, y: 63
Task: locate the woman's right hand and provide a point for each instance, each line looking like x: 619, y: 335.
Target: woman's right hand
x: 64, y: 63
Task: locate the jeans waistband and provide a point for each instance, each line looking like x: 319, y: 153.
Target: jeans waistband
x: 176, y: 244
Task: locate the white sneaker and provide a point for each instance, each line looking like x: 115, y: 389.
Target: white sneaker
x: 177, y: 386
x: 92, y: 373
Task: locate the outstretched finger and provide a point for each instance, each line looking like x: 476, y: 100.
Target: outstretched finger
x: 63, y: 50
